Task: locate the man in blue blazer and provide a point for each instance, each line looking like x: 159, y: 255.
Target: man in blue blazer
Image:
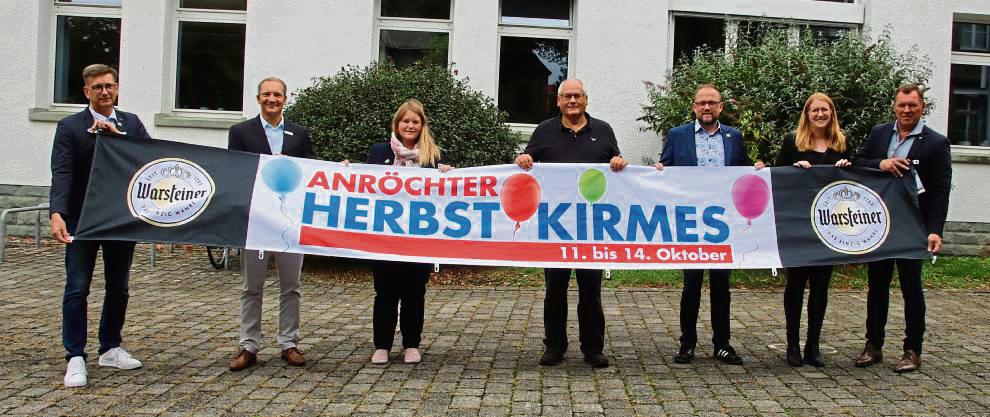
x: 72, y: 157
x: 705, y: 142
x: 270, y: 134
x: 897, y: 148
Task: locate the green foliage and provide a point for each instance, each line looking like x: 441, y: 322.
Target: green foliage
x: 765, y: 82
x: 351, y: 110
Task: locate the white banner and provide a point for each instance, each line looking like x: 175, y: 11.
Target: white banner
x: 556, y: 215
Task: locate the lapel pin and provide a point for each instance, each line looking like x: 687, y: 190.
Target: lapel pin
x: 288, y: 133
x: 388, y: 161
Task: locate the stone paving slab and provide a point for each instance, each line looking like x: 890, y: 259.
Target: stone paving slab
x: 481, y: 346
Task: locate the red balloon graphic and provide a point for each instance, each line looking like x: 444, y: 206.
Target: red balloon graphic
x: 520, y: 196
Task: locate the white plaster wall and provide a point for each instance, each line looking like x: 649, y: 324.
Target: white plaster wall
x: 303, y: 40
x: 25, y: 147
x: 474, y: 43
x: 618, y: 45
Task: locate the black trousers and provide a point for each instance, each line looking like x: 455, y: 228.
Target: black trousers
x: 395, y: 283
x: 819, y: 277
x: 691, y: 302
x: 591, y: 318
x: 878, y: 301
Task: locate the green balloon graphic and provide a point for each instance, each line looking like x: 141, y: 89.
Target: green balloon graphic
x: 592, y: 185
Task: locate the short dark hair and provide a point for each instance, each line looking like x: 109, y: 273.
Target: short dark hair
x: 911, y: 88
x: 704, y: 86
x: 96, y: 70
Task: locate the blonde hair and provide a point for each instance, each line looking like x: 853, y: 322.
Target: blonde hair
x: 429, y: 152
x: 836, y: 139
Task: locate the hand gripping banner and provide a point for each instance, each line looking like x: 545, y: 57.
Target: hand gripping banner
x: 555, y: 215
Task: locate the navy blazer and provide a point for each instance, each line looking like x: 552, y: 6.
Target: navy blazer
x: 680, y: 149
x: 930, y: 157
x: 249, y: 136
x: 381, y: 154
x: 72, y: 158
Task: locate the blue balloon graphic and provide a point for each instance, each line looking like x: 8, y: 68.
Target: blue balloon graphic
x: 281, y: 175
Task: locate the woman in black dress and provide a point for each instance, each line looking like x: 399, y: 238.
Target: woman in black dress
x: 411, y: 145
x: 817, y: 141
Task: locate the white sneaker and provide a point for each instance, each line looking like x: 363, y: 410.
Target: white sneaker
x: 119, y: 358
x: 75, y: 373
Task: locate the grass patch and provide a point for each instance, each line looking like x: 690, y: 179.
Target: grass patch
x: 950, y: 273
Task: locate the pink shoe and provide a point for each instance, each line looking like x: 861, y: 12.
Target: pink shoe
x: 413, y: 356
x: 380, y: 357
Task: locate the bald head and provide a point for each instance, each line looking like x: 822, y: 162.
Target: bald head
x: 571, y: 83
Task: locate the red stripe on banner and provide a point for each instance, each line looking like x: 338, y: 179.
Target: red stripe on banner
x: 516, y: 251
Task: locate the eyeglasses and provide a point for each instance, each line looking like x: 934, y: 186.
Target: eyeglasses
x: 100, y: 87
x: 571, y: 96
x: 822, y: 110
x: 709, y: 103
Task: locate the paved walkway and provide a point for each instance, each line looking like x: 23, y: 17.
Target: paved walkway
x: 481, y: 349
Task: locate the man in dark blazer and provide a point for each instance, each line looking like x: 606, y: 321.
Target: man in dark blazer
x: 270, y: 134
x: 705, y: 142
x: 72, y: 157
x: 897, y: 148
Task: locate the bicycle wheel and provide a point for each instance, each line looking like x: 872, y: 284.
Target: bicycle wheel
x: 216, y: 256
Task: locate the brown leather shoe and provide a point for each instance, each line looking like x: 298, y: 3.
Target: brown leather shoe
x: 869, y: 356
x: 243, y: 360
x: 294, y: 356
x: 909, y: 362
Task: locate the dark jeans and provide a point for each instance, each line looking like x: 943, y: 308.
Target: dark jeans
x: 878, y: 301
x: 405, y: 283
x: 691, y: 302
x: 819, y: 277
x: 591, y: 318
x: 80, y: 261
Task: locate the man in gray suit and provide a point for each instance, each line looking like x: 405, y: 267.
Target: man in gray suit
x: 271, y: 134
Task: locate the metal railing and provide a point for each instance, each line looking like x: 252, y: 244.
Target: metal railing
x: 37, y: 226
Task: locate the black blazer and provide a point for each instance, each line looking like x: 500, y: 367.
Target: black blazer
x: 381, y: 154
x: 929, y: 156
x: 72, y: 158
x: 249, y: 136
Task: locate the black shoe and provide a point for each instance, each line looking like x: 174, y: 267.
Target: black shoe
x: 728, y: 355
x: 813, y: 356
x: 794, y: 355
x: 684, y: 355
x: 551, y: 358
x: 596, y: 360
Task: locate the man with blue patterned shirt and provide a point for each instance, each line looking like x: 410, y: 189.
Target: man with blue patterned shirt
x: 707, y: 143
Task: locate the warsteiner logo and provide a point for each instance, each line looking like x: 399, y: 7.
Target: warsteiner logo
x: 850, y: 218
x: 169, y: 192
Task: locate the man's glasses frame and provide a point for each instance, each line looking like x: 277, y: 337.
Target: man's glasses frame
x: 100, y: 87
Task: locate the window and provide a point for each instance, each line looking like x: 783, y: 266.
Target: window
x: 534, y: 50
x: 691, y: 33
x: 84, y: 35
x: 826, y: 34
x: 412, y: 31
x: 971, y: 37
x: 969, y: 84
x: 209, y: 55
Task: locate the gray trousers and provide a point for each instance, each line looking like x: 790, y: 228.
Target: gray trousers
x: 289, y: 266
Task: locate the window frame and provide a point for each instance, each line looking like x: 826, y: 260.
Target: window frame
x: 198, y: 16
x: 732, y: 22
x: 75, y: 10
x: 516, y: 30
x: 967, y: 58
x: 410, y: 24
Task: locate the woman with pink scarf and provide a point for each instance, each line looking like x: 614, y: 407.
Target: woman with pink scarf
x: 411, y: 145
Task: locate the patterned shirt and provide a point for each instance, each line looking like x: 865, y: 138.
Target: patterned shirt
x: 709, y: 148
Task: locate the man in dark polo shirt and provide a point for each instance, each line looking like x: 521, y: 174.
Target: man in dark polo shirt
x: 575, y: 136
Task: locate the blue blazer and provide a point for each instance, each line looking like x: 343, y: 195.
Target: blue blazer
x: 680, y: 149
x: 72, y: 158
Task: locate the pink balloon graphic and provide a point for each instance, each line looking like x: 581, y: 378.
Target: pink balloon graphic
x: 750, y: 194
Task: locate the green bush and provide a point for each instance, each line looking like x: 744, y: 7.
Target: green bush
x: 764, y: 85
x: 352, y: 109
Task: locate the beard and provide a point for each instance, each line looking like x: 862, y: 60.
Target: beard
x: 712, y: 121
